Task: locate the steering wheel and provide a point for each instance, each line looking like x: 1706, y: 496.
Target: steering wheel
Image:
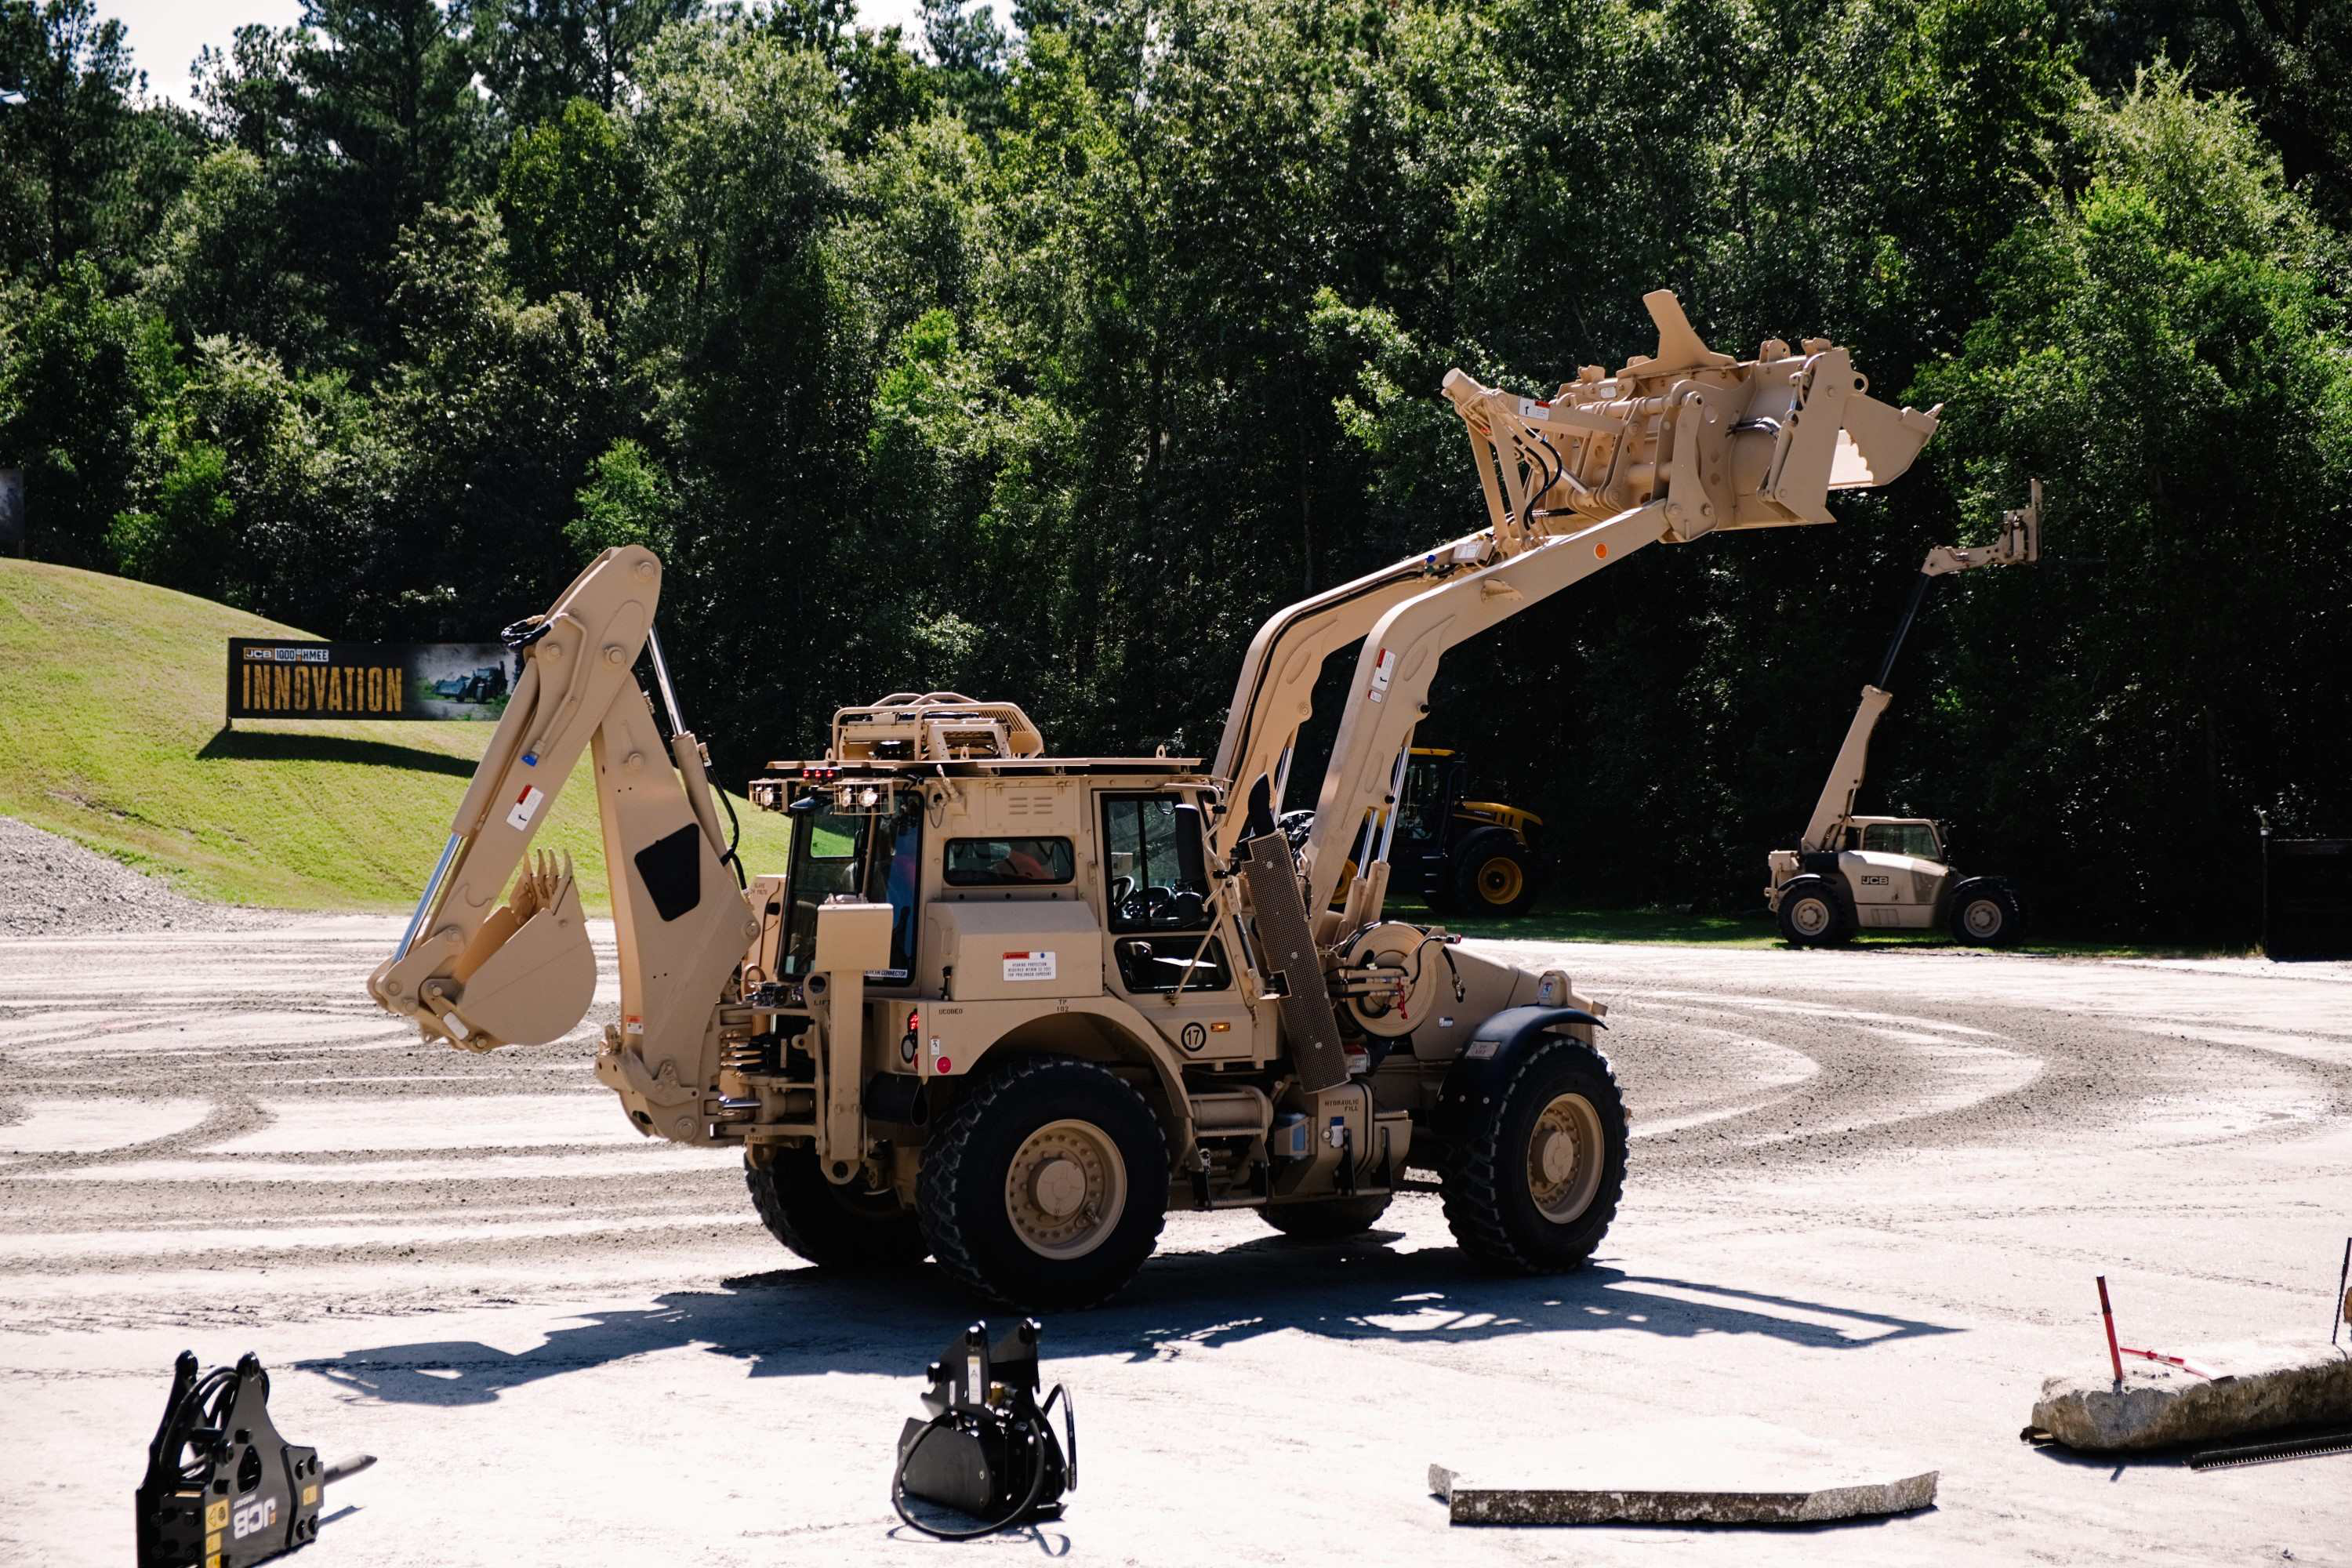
x: 1121, y: 889
x: 1181, y: 912
x: 1136, y: 907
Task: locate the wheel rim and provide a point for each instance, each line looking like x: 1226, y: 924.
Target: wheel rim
x: 1065, y: 1189
x: 1565, y: 1158
x: 1982, y: 917
x: 1810, y: 916
x: 1500, y: 880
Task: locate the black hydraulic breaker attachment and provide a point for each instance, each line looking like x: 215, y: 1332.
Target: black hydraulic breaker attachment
x: 988, y: 1450
x: 223, y: 1488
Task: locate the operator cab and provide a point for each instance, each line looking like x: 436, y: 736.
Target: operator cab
x: 1912, y: 836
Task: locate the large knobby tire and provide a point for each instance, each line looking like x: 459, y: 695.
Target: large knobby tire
x: 1532, y: 1187
x: 1329, y: 1219
x: 1494, y: 875
x: 1987, y: 914
x: 831, y: 1227
x: 1812, y: 915
x: 1046, y: 1186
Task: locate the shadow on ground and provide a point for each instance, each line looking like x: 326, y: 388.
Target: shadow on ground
x: 250, y: 745
x: 808, y: 1322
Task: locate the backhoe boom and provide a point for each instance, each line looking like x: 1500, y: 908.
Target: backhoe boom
x: 481, y: 974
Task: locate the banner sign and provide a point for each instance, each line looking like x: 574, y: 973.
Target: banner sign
x: 270, y: 680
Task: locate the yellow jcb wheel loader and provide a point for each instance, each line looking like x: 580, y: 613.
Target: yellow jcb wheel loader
x: 1852, y: 873
x: 1007, y: 1008
x: 1472, y: 857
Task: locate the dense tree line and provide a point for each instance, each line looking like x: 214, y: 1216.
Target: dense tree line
x: 1043, y: 358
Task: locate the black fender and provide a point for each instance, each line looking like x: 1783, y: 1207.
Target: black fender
x: 1833, y: 881
x: 1486, y: 1063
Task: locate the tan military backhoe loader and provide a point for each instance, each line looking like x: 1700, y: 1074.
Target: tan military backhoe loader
x: 1852, y: 873
x: 1007, y: 1008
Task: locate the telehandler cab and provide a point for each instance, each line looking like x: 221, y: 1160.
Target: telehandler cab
x: 1852, y: 873
x: 1007, y: 1008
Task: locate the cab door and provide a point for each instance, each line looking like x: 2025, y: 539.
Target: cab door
x: 1164, y: 956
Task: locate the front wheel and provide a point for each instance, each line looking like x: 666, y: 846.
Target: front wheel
x: 831, y: 1227
x: 1533, y: 1188
x: 1811, y: 915
x: 1047, y: 1184
x: 1987, y: 914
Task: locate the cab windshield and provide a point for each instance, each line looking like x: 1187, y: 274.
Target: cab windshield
x: 868, y: 857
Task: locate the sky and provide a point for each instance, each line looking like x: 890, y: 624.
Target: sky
x: 164, y: 34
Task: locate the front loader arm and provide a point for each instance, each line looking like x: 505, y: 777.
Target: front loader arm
x: 1673, y: 446
x: 480, y: 973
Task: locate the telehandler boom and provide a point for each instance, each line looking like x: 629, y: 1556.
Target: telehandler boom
x: 1005, y: 1008
x: 1852, y: 872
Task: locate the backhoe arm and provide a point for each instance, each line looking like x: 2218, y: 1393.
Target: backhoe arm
x: 1673, y: 446
x: 480, y: 973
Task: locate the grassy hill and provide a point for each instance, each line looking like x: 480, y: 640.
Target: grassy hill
x: 110, y: 733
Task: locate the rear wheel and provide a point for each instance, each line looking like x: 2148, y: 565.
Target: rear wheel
x: 1046, y: 1186
x: 1810, y: 914
x: 1494, y: 875
x: 1328, y: 1220
x: 1987, y: 914
x: 833, y: 1226
x: 1533, y: 1188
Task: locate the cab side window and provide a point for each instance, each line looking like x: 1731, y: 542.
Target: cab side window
x: 1156, y: 898
x: 1007, y: 862
x: 1154, y: 884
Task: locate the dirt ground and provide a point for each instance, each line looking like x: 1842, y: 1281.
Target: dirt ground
x: 1870, y: 1191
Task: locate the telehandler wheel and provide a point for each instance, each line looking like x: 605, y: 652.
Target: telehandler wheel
x: 1987, y: 914
x: 1810, y: 914
x: 834, y: 1227
x: 1494, y: 875
x: 1046, y: 1186
x: 1533, y: 1189
x: 1328, y: 1220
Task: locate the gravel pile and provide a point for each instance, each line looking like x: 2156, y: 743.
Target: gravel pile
x: 53, y: 887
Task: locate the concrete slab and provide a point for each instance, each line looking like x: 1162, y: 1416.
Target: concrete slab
x: 2258, y: 1387
x: 1708, y: 1469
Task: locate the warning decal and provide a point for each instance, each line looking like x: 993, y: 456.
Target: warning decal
x: 526, y: 806
x: 1029, y: 967
x: 1382, y: 669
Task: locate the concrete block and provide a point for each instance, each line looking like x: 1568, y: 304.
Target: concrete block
x: 2257, y: 1387
x: 1714, y: 1469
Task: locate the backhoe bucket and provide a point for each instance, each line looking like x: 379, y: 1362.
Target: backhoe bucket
x: 528, y: 975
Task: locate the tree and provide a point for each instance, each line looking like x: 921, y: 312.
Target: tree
x: 539, y: 54
x: 389, y: 123
x: 65, y: 129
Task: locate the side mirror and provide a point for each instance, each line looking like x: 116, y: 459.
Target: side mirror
x: 1192, y: 848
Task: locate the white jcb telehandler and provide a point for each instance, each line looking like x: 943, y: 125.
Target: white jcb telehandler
x: 1007, y: 1008
x: 1852, y: 873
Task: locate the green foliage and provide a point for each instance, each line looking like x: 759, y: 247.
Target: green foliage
x: 1049, y: 360
x: 627, y: 500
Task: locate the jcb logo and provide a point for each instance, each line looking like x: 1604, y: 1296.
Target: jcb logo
x: 1876, y: 881
x: 258, y: 1513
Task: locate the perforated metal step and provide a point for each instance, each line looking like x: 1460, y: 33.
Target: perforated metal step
x: 1284, y: 936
